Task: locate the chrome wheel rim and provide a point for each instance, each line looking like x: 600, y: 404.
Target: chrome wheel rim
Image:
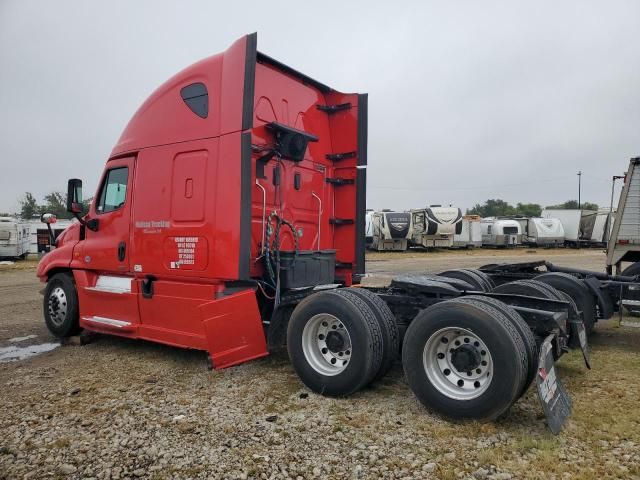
x: 458, y: 363
x: 57, y: 306
x: 326, y: 344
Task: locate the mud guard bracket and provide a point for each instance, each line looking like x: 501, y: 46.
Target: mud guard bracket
x: 580, y: 333
x: 554, y: 398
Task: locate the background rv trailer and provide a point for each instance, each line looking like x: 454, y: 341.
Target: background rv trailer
x: 497, y: 232
x: 570, y: 220
x: 470, y: 234
x: 602, y: 227
x: 577, y: 224
x: 14, y: 238
x: 368, y: 228
x: 390, y: 230
x: 39, y: 241
x: 435, y: 226
x: 543, y: 232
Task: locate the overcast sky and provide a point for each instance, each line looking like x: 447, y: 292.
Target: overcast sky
x: 468, y: 100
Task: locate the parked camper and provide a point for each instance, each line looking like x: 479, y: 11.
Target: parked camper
x: 497, y: 232
x: 577, y: 224
x: 368, y: 228
x: 39, y: 241
x: 14, y: 238
x: 470, y: 235
x: 544, y: 232
x: 602, y: 227
x: 435, y: 226
x: 390, y: 230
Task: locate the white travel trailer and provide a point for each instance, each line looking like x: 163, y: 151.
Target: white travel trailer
x: 435, y: 226
x: 577, y: 224
x: 570, y: 220
x: 368, y: 228
x: 602, y: 227
x: 39, y: 241
x: 544, y: 232
x: 390, y: 230
x: 470, y: 235
x: 498, y: 232
x: 14, y: 238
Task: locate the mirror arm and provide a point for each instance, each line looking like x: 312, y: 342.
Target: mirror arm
x: 92, y: 224
x: 52, y: 238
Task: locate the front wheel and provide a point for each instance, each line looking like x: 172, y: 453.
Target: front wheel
x: 60, y: 306
x: 464, y: 359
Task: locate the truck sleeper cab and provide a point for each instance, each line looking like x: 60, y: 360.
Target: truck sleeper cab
x: 230, y: 218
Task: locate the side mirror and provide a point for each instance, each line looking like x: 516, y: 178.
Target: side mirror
x: 48, y: 218
x: 74, y: 196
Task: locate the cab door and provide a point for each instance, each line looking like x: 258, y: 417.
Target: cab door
x: 106, y: 248
x: 106, y: 292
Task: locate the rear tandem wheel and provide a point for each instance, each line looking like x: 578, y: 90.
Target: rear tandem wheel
x: 578, y: 291
x: 335, y: 343
x: 464, y: 358
x: 477, y: 279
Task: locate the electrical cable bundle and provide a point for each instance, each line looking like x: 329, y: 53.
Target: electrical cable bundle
x: 272, y: 251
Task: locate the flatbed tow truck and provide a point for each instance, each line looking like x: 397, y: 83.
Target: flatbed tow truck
x: 230, y: 218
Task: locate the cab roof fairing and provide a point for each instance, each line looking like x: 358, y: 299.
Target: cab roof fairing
x: 229, y: 77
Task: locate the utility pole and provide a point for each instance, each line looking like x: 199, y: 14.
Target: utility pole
x: 579, y: 185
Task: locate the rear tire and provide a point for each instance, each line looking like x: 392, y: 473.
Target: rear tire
x: 60, y: 306
x: 388, y: 326
x: 436, y: 356
x: 525, y: 333
x: 469, y: 276
x: 486, y: 279
x: 335, y: 343
x: 535, y: 288
x: 577, y: 290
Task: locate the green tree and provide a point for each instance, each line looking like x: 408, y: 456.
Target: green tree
x: 573, y: 205
x: 492, y: 208
x: 29, y: 206
x: 56, y: 203
x: 528, y: 209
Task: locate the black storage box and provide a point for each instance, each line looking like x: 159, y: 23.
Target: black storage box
x: 311, y: 268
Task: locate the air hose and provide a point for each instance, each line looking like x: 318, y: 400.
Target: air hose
x: 272, y: 250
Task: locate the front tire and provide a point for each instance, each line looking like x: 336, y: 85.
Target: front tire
x: 464, y: 359
x: 60, y: 306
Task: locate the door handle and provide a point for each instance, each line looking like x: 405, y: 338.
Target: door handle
x: 122, y: 251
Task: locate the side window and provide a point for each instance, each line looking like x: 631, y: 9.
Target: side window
x: 489, y: 229
x: 114, y: 190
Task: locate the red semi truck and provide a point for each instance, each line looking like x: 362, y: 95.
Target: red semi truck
x: 230, y: 218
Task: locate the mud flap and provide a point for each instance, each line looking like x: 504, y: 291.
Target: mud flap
x: 554, y: 398
x: 581, y: 333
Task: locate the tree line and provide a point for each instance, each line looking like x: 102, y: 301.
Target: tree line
x: 500, y: 208
x: 55, y: 203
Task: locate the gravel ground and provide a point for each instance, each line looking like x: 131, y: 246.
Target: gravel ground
x: 118, y: 408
